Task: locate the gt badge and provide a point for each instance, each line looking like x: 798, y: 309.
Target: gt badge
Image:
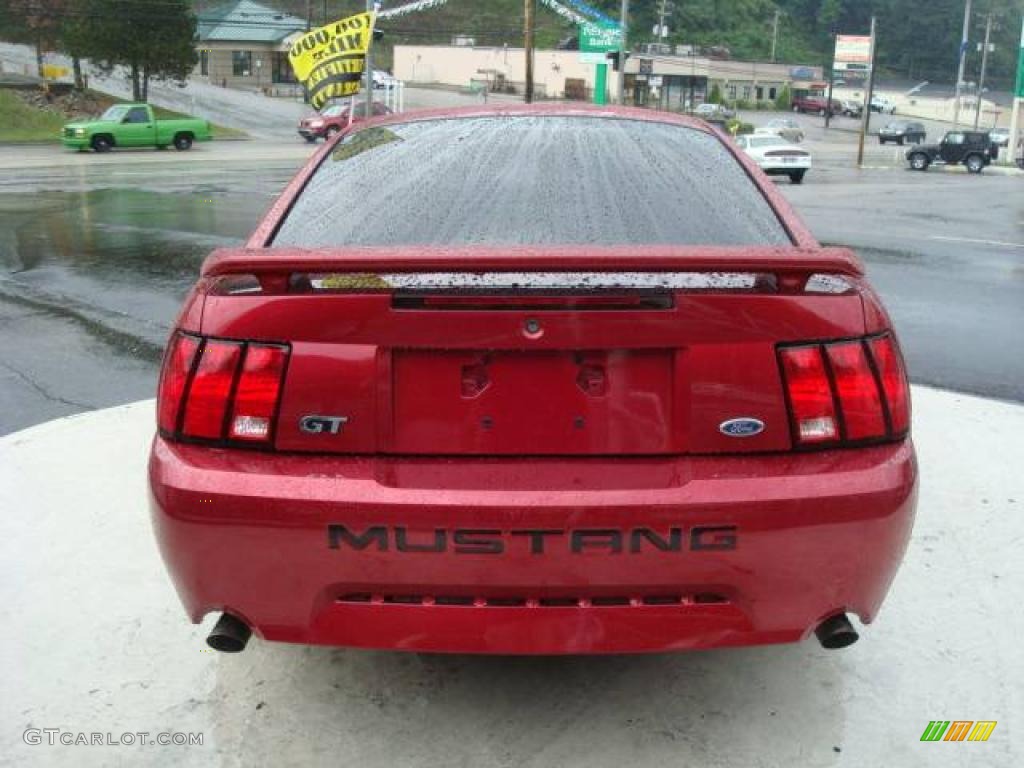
x: 316, y: 425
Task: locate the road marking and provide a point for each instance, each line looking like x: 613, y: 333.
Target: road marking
x: 978, y: 242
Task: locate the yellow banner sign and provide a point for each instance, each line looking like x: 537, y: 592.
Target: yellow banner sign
x: 330, y: 60
x: 53, y: 72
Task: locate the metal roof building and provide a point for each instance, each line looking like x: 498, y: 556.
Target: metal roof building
x: 247, y: 21
x: 244, y: 44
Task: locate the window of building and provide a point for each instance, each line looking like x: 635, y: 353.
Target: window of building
x: 241, y: 63
x: 773, y: 93
x: 280, y: 69
x: 204, y: 62
x: 731, y: 90
x: 760, y: 93
x: 746, y: 93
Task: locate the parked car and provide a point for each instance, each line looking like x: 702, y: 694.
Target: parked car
x: 1000, y: 137
x: 852, y: 107
x: 785, y: 127
x: 816, y: 105
x: 972, y: 149
x: 335, y: 118
x: 776, y: 156
x: 883, y: 105
x: 714, y: 112
x: 398, y: 419
x: 901, y: 132
x: 133, y: 125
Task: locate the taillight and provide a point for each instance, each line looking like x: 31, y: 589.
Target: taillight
x: 810, y: 395
x: 173, y: 378
x: 846, y: 392
x: 220, y: 390
x: 206, y: 403
x: 859, y: 400
x: 256, y: 398
x: 894, y: 381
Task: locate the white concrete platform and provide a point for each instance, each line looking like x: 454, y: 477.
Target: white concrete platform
x: 95, y: 641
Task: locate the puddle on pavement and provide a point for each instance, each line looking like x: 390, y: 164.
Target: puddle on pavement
x: 128, y: 232
x: 135, y: 246
x: 121, y: 257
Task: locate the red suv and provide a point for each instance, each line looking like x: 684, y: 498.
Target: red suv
x: 455, y: 394
x: 816, y: 105
x: 335, y: 119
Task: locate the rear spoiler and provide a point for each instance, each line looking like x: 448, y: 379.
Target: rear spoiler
x: 794, y: 263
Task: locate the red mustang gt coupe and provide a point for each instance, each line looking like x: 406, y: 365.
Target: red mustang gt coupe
x: 532, y: 381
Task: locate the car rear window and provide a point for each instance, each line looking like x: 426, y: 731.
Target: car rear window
x: 768, y: 141
x: 530, y: 180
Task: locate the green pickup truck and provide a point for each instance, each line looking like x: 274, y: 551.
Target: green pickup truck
x: 134, y: 125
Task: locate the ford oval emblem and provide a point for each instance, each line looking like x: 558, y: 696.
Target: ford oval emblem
x: 742, y: 427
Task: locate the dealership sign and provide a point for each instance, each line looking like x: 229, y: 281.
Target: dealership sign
x: 853, y: 57
x: 600, y: 38
x: 853, y: 49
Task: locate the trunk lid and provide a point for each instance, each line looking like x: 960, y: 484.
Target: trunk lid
x: 581, y: 351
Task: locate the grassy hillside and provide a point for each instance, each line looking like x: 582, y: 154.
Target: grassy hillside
x: 20, y: 121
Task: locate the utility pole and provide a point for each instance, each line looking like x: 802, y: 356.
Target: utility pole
x: 865, y: 118
x: 624, y: 25
x: 309, y: 26
x: 1018, y: 98
x: 831, y: 77
x: 663, y: 11
x: 775, y: 33
x: 528, y: 12
x: 984, y: 66
x: 963, y: 57
x: 368, y: 64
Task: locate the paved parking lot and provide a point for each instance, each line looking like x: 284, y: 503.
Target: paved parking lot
x: 101, y: 643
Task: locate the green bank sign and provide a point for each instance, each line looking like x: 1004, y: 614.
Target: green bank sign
x: 1020, y: 65
x: 600, y: 38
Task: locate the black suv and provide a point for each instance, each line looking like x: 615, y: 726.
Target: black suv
x: 970, y: 148
x: 901, y: 132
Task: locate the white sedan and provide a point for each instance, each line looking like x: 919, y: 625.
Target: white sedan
x: 776, y: 156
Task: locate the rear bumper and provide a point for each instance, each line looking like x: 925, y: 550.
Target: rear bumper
x: 532, y: 556
x: 774, y: 167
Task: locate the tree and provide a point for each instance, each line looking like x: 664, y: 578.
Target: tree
x: 37, y: 22
x: 784, y: 100
x: 716, y: 95
x: 153, y: 40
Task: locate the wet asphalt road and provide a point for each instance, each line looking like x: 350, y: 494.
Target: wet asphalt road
x: 96, y: 254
